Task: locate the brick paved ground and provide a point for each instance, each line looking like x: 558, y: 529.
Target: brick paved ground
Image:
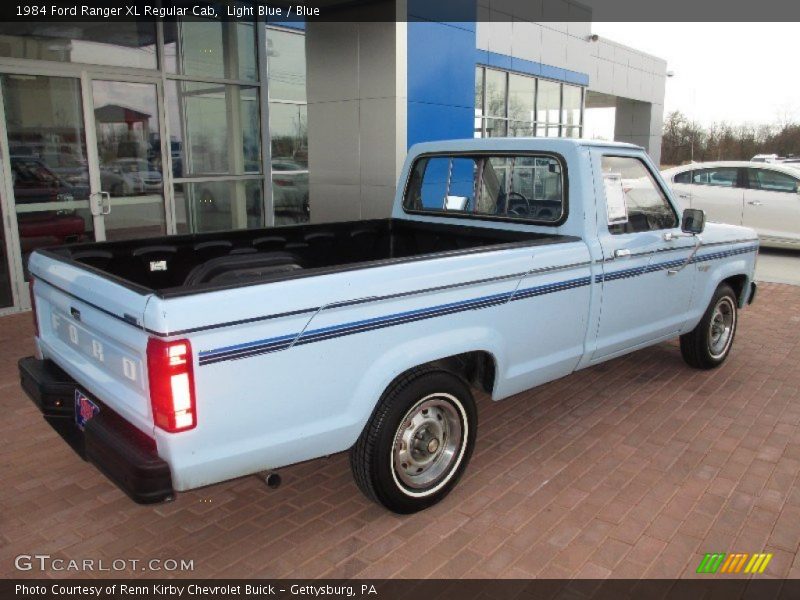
x: 630, y: 469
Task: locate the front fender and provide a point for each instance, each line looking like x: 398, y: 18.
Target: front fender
x: 740, y: 266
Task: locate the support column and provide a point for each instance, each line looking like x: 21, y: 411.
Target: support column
x: 356, y: 88
x: 640, y: 123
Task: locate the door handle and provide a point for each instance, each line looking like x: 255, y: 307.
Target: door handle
x: 105, y: 203
x: 755, y: 202
x: 622, y: 253
x: 100, y: 203
x: 684, y: 196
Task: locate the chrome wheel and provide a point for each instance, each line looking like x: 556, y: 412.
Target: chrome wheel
x: 429, y: 444
x: 722, y: 327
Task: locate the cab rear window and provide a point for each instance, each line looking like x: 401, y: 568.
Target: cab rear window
x: 526, y: 187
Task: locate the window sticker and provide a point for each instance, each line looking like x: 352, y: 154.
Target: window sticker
x: 616, y: 206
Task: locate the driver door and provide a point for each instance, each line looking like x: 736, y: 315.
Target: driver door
x: 647, y: 277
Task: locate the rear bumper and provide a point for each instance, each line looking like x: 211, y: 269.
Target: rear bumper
x: 123, y: 453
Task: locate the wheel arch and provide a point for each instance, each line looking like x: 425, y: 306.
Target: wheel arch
x: 474, y: 355
x: 739, y: 285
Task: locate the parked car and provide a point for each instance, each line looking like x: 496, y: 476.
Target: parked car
x: 762, y: 196
x: 791, y: 162
x: 130, y: 177
x: 766, y: 158
x: 290, y: 189
x: 45, y: 205
x: 180, y: 362
x: 289, y: 193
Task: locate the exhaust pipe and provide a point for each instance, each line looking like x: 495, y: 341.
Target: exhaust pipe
x: 272, y: 479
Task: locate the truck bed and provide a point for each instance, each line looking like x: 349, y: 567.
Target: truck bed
x: 181, y: 265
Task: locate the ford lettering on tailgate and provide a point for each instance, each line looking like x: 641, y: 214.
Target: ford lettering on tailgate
x: 110, y: 355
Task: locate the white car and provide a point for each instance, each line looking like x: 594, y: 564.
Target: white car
x: 766, y: 158
x: 764, y: 196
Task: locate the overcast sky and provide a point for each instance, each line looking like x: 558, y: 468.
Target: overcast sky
x: 735, y: 72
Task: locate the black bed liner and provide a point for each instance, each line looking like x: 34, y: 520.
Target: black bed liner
x: 187, y: 264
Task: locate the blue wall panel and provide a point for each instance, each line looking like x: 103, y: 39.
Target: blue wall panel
x: 441, y: 71
x: 441, y: 76
x: 429, y: 122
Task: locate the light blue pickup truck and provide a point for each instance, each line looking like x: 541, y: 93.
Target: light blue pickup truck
x: 184, y: 361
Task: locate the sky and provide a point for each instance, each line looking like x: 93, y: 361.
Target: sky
x: 734, y: 72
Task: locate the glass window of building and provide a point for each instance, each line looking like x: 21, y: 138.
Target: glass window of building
x: 215, y: 128
x: 49, y: 169
x: 479, y: 102
x: 213, y: 110
x: 517, y: 105
x: 496, y: 93
x: 211, y: 49
x: 521, y: 102
x: 110, y: 43
x: 548, y: 105
x: 288, y: 124
x: 286, y: 64
x: 571, y: 108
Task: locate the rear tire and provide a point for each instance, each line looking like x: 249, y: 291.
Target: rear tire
x: 708, y: 345
x: 418, y: 442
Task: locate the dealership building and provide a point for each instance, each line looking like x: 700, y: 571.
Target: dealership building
x: 112, y: 130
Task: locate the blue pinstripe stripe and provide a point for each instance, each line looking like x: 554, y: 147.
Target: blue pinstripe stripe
x: 325, y: 333
x: 671, y: 264
x: 283, y: 342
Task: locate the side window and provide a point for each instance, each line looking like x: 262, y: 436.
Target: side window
x: 771, y: 181
x: 721, y: 177
x: 524, y: 187
x: 685, y: 177
x: 646, y: 205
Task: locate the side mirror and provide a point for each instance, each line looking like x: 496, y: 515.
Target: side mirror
x: 693, y: 221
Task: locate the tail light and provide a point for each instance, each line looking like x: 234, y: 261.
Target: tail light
x: 33, y: 308
x: 169, y: 368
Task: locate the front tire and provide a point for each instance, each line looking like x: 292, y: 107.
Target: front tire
x: 418, y: 442
x: 708, y: 345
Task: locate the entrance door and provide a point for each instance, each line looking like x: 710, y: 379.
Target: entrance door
x: 45, y: 163
x: 81, y: 161
x: 125, y: 159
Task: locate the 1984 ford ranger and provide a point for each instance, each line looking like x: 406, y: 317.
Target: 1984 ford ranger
x: 507, y: 263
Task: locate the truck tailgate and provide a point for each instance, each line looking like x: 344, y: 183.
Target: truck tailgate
x: 91, y: 327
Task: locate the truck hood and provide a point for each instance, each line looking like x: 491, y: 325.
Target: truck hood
x: 716, y: 233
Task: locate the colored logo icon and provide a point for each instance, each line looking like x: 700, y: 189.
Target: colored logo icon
x: 720, y: 562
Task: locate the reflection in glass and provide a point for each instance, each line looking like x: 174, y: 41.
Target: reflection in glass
x: 571, y: 105
x: 215, y: 129
x: 289, y: 132
x: 495, y: 93
x: 103, y: 43
x: 129, y: 152
x: 479, y: 102
x: 211, y: 49
x: 46, y: 141
x: 548, y: 103
x: 218, y: 205
x: 289, y: 136
x: 286, y: 65
x: 495, y: 127
x: 551, y: 131
x: 520, y: 129
x: 521, y: 93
